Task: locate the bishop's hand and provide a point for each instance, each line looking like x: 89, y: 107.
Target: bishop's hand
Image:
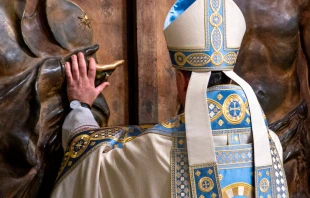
x: 81, y: 80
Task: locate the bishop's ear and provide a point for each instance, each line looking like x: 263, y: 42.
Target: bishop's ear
x: 182, y: 80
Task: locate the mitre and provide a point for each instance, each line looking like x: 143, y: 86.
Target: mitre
x: 204, y: 35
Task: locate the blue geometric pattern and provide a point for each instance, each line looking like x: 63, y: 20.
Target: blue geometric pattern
x: 216, y: 56
x: 205, y: 181
x: 263, y: 182
x: 215, y: 109
x: 235, y: 162
x: 233, y: 155
x: 228, y: 109
x: 229, y: 115
x: 235, y: 173
x: 234, y: 170
x: 234, y: 139
x: 179, y: 167
x: 281, y: 189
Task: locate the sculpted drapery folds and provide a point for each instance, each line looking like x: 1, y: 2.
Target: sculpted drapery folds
x: 36, y: 37
x: 274, y: 58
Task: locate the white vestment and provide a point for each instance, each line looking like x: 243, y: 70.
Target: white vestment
x: 141, y: 161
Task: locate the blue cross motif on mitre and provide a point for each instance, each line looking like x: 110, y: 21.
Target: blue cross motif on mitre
x: 205, y: 47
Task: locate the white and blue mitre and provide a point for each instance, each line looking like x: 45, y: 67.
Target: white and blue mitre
x: 204, y: 36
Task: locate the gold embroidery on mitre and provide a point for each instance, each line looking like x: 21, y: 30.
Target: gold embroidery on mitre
x: 215, y: 5
x: 217, y: 42
x: 217, y: 58
x: 230, y: 58
x: 198, y: 59
x: 180, y: 58
x: 216, y: 19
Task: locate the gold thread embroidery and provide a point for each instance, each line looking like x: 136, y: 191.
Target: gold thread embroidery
x: 264, y: 185
x: 217, y: 58
x: 79, y: 145
x: 180, y: 58
x: 220, y: 122
x: 248, y: 120
x: 248, y: 190
x: 216, y: 19
x: 215, y: 5
x: 198, y: 59
x: 216, y: 41
x: 220, y: 97
x: 215, y: 109
x: 230, y: 58
x: 206, y: 184
x: 234, y: 109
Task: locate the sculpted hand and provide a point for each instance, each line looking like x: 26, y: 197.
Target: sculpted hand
x: 80, y: 82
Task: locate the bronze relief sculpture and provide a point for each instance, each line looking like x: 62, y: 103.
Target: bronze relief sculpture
x: 274, y: 58
x: 36, y: 37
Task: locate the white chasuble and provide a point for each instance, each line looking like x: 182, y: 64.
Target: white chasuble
x: 140, y: 162
x: 140, y: 169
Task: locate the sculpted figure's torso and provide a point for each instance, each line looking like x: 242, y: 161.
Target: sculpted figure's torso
x: 276, y: 45
x: 269, y: 52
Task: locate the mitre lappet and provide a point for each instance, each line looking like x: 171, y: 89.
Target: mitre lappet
x: 231, y: 152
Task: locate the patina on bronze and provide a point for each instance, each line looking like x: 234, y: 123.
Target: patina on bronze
x: 103, y: 72
x: 274, y: 58
x: 36, y: 38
